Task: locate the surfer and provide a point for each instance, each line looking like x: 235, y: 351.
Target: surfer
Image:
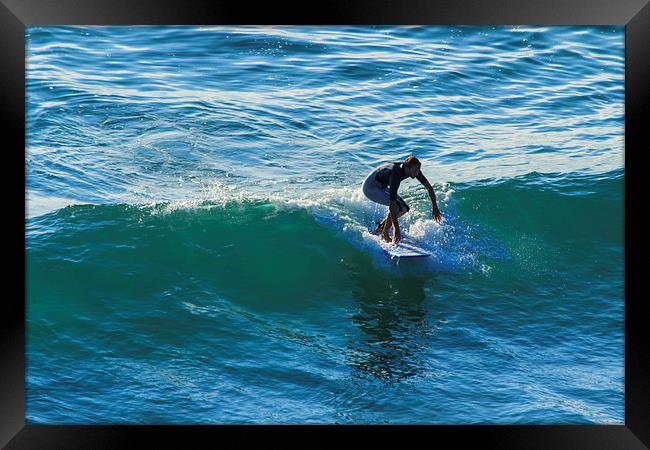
x: 381, y: 187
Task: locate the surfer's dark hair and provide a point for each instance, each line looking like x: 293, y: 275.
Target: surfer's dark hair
x: 411, y: 160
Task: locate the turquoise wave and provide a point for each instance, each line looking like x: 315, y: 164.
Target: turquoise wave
x: 560, y: 208
x: 262, y: 249
x: 141, y: 293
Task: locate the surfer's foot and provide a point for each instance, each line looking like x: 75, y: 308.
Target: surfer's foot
x: 386, y: 238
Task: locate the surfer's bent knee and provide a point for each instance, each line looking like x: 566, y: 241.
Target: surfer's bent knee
x: 403, y: 206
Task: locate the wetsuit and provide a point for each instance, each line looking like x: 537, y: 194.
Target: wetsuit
x: 382, y: 183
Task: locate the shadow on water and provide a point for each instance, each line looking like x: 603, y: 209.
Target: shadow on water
x: 393, y: 323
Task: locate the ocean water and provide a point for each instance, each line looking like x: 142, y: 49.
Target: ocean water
x: 197, y: 247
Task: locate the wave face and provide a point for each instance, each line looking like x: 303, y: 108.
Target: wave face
x: 198, y: 247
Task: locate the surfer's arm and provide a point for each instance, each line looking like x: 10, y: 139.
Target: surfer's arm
x: 432, y: 195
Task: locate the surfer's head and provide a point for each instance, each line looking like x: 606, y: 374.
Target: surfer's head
x: 412, y: 166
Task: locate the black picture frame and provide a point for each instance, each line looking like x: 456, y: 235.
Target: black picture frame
x: 15, y: 15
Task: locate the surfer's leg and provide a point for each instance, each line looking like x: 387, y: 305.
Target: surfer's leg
x: 403, y: 207
x: 402, y: 211
x: 377, y: 194
x: 380, y: 225
x: 387, y: 224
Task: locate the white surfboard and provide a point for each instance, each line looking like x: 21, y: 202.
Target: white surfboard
x: 405, y: 249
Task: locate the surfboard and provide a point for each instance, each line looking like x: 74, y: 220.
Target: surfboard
x: 405, y: 249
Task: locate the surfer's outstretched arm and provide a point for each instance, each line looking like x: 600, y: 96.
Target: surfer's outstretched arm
x: 435, y: 211
x: 432, y: 195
